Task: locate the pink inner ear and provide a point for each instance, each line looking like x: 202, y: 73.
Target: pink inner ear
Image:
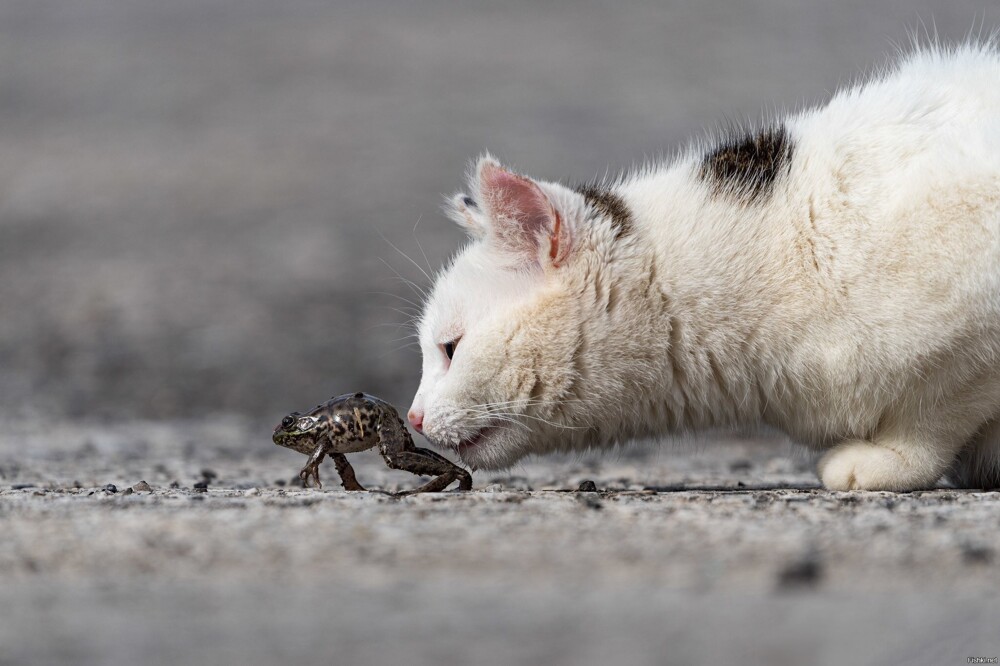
x: 520, y: 209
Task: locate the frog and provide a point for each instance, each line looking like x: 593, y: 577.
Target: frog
x: 355, y: 422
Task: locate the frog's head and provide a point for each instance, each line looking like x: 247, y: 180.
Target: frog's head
x: 301, y: 432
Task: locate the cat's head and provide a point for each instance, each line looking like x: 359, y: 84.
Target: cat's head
x: 508, y: 333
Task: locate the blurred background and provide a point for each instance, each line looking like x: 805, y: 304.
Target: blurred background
x: 199, y: 199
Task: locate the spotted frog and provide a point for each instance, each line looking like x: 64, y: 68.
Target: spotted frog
x: 357, y: 422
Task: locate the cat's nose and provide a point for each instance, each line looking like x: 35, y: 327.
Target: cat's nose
x: 416, y: 419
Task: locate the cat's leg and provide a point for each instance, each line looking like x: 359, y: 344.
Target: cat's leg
x: 978, y: 463
x: 912, y: 455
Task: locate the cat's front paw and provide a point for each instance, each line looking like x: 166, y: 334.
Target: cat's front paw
x: 866, y: 466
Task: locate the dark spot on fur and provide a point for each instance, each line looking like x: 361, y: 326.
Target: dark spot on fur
x: 611, y: 205
x: 747, y: 167
x: 470, y: 202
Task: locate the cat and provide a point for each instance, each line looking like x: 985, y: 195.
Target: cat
x: 834, y: 274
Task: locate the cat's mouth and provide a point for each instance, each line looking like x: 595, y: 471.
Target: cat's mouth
x: 472, y: 442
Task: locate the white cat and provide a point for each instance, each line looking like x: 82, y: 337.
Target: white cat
x: 835, y: 274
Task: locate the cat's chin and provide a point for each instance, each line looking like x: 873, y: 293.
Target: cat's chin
x: 485, y: 449
x: 470, y: 443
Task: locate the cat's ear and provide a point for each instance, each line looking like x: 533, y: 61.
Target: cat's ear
x: 522, y: 219
x: 466, y: 213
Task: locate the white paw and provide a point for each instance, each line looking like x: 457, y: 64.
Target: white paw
x: 865, y: 466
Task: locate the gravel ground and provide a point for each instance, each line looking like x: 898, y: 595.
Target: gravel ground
x: 720, y: 551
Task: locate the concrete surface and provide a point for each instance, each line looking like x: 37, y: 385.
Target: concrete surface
x: 724, y: 551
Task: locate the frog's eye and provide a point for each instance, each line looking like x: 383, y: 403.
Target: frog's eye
x: 306, y: 423
x: 287, y: 421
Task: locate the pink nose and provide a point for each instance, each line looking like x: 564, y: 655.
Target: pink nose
x: 416, y: 420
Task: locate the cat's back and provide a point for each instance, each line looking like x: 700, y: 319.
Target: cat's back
x: 932, y: 117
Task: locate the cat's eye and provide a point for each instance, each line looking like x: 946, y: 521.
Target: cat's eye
x: 449, y: 348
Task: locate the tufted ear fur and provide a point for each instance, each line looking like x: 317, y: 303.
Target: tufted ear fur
x: 466, y: 213
x: 521, y: 218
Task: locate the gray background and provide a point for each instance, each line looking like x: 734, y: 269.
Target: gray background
x: 194, y: 194
x: 198, y: 206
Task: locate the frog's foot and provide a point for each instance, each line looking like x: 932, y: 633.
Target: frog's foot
x: 310, y: 470
x: 428, y: 463
x: 346, y: 472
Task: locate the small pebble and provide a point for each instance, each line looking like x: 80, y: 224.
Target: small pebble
x: 252, y: 492
x: 977, y: 554
x: 22, y: 486
x: 202, y: 485
x: 110, y: 488
x: 175, y: 484
x: 804, y: 573
x: 127, y: 491
x: 588, y: 486
x: 142, y: 487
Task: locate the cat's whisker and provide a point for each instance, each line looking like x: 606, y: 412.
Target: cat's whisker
x: 406, y: 337
x: 416, y: 305
x: 399, y: 349
x: 485, y: 414
x: 417, y: 289
x: 524, y: 403
x: 419, y: 246
x: 410, y: 317
x: 407, y: 257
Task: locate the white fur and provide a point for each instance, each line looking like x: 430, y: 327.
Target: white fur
x: 857, y: 308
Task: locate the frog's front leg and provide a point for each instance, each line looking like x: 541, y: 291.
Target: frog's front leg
x: 312, y: 467
x: 399, y: 452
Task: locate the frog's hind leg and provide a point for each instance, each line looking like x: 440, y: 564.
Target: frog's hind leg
x: 427, y: 463
x: 398, y: 451
x: 346, y: 472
